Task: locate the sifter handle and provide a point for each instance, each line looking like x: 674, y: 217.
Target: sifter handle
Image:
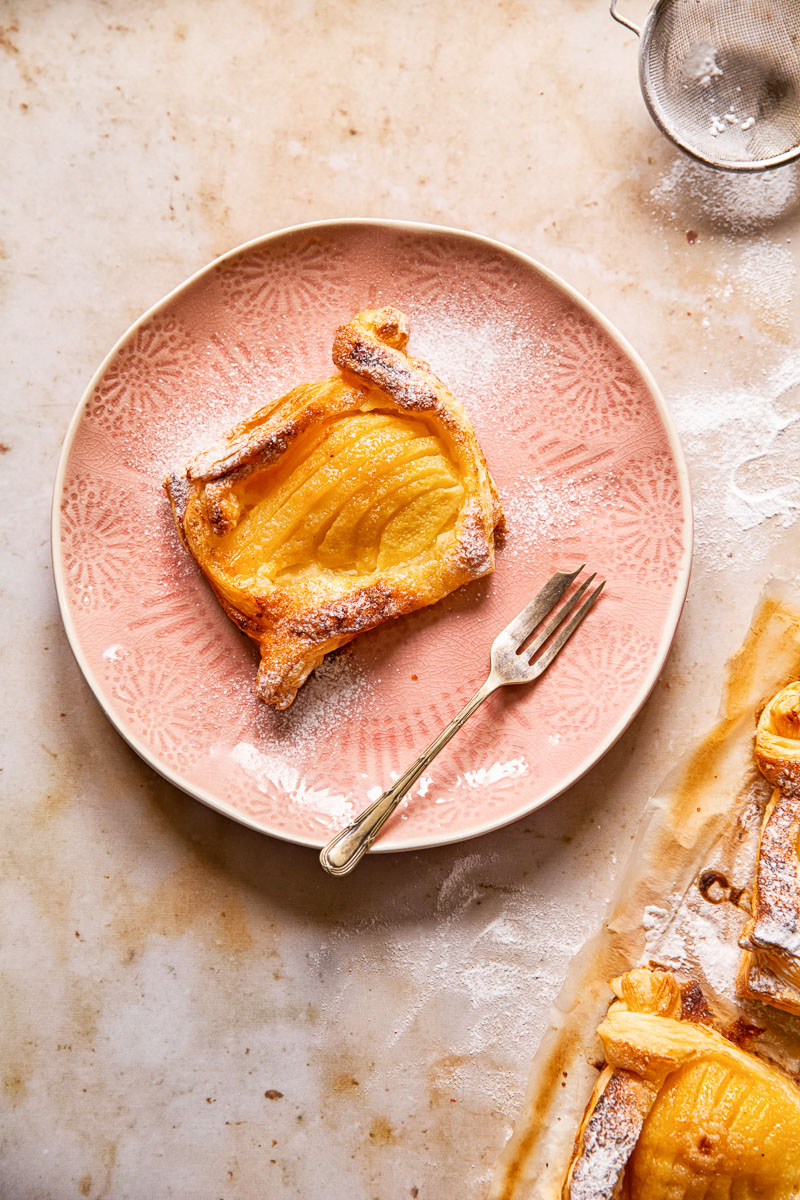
x: 623, y: 20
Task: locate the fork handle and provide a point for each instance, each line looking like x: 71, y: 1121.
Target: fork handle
x: 346, y: 850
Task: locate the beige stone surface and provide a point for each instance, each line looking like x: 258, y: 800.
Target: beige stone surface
x: 191, y: 1010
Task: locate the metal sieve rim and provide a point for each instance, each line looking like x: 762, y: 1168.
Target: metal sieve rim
x: 645, y: 35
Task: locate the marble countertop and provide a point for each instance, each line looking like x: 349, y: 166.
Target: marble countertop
x: 193, y: 1010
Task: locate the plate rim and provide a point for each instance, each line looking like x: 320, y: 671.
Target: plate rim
x: 680, y: 587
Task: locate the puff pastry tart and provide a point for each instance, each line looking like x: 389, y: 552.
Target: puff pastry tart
x: 769, y: 970
x: 680, y: 1112
x: 340, y: 505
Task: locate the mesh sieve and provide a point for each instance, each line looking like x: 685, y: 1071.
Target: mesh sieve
x: 721, y: 78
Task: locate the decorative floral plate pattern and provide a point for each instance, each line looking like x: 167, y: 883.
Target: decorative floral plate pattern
x: 588, y: 468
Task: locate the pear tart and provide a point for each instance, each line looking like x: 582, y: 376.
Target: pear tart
x: 681, y: 1112
x: 340, y: 505
x: 769, y: 969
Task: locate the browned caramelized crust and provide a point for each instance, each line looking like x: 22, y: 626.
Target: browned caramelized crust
x: 340, y: 505
x: 759, y: 978
x: 769, y: 969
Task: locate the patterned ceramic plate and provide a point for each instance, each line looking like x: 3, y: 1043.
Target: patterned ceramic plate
x: 588, y: 467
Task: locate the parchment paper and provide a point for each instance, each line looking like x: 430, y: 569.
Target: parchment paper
x: 706, y: 814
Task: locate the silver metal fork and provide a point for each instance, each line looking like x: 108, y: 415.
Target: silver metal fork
x: 512, y: 662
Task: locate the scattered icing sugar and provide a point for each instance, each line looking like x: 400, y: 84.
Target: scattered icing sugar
x: 504, y: 933
x: 608, y: 1141
x: 745, y: 441
x: 741, y: 435
x: 476, y: 949
x: 655, y: 920
x: 539, y: 510
x: 716, y: 951
x: 766, y: 273
x: 474, y: 345
x: 662, y: 941
x: 739, y: 204
x: 689, y: 935
x: 335, y: 691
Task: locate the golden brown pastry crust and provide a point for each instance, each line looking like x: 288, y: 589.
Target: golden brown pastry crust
x: 756, y: 980
x: 608, y: 1134
x: 621, y: 1099
x: 769, y: 970
x: 680, y: 1109
x: 778, y: 739
x: 304, y: 597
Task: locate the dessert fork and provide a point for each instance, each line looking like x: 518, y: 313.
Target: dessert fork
x: 512, y: 662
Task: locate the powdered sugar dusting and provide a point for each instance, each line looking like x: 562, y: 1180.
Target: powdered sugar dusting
x: 738, y: 203
x: 608, y: 1140
x: 766, y: 274
x: 476, y: 951
x: 476, y: 344
x: 740, y: 434
x: 735, y: 491
x: 664, y: 939
x: 716, y: 951
x: 540, y: 511
x: 338, y: 688
x: 692, y: 938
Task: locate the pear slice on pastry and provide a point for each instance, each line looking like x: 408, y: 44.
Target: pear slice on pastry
x: 680, y: 1112
x: 340, y: 505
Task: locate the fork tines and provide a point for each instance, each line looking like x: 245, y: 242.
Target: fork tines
x: 510, y: 654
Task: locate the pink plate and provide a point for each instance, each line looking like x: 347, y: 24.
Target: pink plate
x: 588, y: 467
